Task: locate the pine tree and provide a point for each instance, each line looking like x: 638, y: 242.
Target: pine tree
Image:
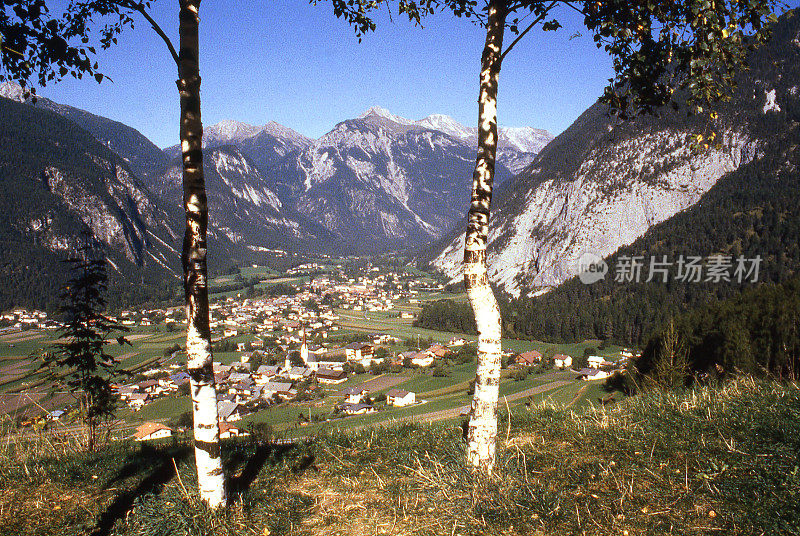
x: 80, y: 362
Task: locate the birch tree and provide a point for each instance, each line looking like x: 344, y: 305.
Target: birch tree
x: 693, y: 47
x: 208, y: 459
x: 678, y: 52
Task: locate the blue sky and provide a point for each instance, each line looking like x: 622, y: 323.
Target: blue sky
x: 296, y: 64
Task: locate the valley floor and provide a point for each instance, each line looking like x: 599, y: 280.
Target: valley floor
x: 714, y: 460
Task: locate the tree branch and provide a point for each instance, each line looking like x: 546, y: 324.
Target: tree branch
x: 524, y: 4
x: 526, y: 30
x: 140, y: 8
x: 571, y: 6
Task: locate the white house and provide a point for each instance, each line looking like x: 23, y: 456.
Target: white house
x: 356, y: 351
x: 296, y: 373
x: 400, y: 397
x: 596, y: 361
x: 422, y: 359
x: 354, y: 395
x: 152, y: 430
x: 272, y: 388
x: 229, y: 411
x: 357, y: 409
x: 138, y: 400
x: 331, y: 376
x: 562, y: 361
x: 265, y: 372
x: 227, y: 430
x: 593, y: 374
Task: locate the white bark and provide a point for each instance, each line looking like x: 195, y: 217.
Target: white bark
x: 210, y: 476
x: 482, y: 432
x: 208, y: 459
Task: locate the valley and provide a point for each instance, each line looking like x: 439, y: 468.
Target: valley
x: 330, y: 304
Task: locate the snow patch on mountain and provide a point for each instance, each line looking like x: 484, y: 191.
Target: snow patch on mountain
x: 386, y: 114
x: 448, y: 125
x: 227, y: 131
x: 524, y: 139
x: 231, y: 132
x: 13, y: 91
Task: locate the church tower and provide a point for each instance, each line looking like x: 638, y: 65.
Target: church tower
x: 304, y: 348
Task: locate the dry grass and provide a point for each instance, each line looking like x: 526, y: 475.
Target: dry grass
x: 709, y: 461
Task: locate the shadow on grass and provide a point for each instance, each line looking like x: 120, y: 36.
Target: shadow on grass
x: 157, y: 466
x: 154, y: 467
x: 265, y: 453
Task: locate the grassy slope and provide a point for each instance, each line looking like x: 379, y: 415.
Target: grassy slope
x: 710, y: 461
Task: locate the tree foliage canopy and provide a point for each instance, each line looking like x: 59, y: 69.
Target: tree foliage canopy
x: 39, y: 46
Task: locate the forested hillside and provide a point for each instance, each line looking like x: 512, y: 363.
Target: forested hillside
x: 756, y: 332
x: 752, y: 212
x: 56, y: 182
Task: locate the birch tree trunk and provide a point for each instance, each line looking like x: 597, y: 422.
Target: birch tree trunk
x: 482, y: 432
x: 210, y: 477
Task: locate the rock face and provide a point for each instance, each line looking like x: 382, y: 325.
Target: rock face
x: 618, y: 188
x: 243, y: 210
x: 389, y: 181
x: 263, y: 145
x: 602, y: 184
x: 56, y: 181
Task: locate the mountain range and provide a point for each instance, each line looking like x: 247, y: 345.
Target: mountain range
x: 393, y: 182
x: 378, y: 182
x: 374, y: 183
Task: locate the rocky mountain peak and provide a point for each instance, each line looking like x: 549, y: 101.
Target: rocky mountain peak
x: 384, y: 113
x: 13, y: 91
x: 227, y: 131
x: 446, y: 124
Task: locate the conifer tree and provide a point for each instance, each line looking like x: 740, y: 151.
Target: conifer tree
x: 80, y: 362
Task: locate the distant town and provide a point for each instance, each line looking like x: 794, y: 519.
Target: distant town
x: 316, y: 345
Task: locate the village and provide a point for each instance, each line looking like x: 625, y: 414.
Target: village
x: 304, y: 340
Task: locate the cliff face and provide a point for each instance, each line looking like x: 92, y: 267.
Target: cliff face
x: 602, y: 184
x: 618, y: 188
x: 382, y: 181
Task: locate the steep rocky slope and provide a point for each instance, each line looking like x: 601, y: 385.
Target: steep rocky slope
x: 263, y: 145
x: 600, y: 185
x: 57, y: 180
x: 389, y: 181
x: 244, y: 213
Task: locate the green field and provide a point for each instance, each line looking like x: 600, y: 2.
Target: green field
x: 149, y: 343
x: 146, y: 348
